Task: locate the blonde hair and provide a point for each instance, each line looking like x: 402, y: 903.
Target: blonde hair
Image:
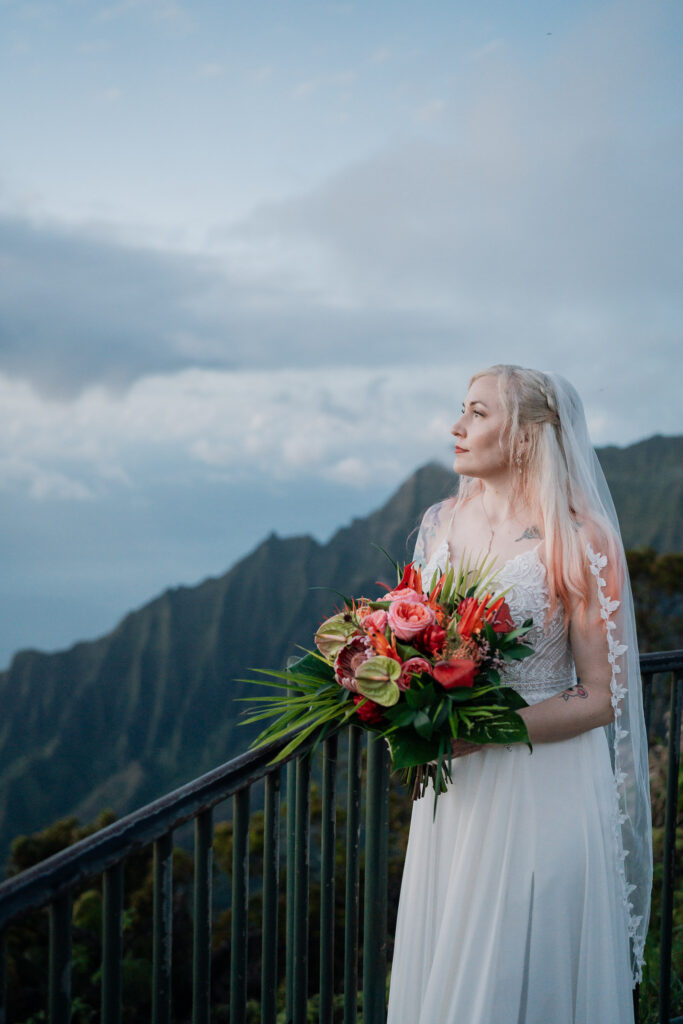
x: 542, y: 483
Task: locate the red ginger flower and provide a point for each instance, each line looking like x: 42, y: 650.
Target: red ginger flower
x: 472, y: 615
x: 411, y: 580
x: 382, y: 646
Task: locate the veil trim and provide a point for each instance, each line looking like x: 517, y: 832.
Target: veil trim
x: 620, y: 816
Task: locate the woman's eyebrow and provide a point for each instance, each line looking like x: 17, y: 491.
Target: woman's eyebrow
x: 475, y: 402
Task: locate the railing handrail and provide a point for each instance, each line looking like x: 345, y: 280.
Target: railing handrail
x: 90, y: 856
x: 661, y: 661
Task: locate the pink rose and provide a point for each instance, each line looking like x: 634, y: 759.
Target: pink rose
x: 376, y: 620
x: 404, y: 594
x: 349, y: 660
x: 412, y: 667
x: 408, y: 619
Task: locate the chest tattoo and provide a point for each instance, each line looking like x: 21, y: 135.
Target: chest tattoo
x: 531, y: 533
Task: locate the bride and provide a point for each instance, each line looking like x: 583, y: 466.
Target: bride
x: 525, y: 900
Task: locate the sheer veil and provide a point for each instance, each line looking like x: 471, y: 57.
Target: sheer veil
x: 588, y: 490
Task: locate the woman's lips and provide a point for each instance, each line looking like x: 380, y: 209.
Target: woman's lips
x: 458, y: 450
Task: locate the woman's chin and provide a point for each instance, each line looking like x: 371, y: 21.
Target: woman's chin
x: 459, y: 468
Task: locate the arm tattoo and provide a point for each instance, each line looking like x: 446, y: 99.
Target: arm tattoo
x: 574, y: 691
x: 531, y: 533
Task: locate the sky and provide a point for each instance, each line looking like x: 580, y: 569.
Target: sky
x: 250, y: 254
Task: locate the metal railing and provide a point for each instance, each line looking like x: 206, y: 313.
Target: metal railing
x: 51, y: 883
x: 669, y: 662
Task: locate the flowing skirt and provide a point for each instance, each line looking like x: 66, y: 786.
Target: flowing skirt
x: 511, y: 908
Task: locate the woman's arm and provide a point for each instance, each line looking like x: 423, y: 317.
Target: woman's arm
x: 579, y: 708
x: 588, y: 704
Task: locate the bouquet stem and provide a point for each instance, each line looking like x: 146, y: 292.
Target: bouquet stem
x: 419, y: 777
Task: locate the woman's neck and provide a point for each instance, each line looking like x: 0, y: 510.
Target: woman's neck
x: 497, y: 501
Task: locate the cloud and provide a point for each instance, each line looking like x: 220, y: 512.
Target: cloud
x: 158, y: 10
x: 431, y: 110
x: 303, y: 89
x: 380, y: 55
x: 111, y: 94
x: 76, y: 309
x: 213, y: 69
x: 262, y: 73
x: 535, y: 222
x: 543, y: 213
x: 345, y: 424
x: 491, y: 47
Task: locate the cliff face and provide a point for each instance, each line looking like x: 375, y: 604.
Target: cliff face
x: 120, y: 720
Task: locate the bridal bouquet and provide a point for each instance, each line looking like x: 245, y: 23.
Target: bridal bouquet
x: 418, y: 667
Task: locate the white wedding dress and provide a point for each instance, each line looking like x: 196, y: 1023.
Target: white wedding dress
x: 512, y: 908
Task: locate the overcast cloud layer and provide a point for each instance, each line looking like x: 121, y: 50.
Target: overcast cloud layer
x: 514, y: 200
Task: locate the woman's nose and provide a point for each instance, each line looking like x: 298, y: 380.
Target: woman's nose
x: 457, y: 428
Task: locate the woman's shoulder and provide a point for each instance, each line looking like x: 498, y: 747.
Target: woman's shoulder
x: 440, y: 513
x: 597, y: 538
x: 433, y: 528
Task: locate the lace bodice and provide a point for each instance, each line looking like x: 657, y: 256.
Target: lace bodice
x: 550, y: 669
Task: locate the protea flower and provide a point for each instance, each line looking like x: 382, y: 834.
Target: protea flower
x: 349, y: 660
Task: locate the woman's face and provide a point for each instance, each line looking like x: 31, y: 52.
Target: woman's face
x: 478, y: 432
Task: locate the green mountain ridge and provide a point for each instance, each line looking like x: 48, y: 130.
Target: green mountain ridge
x: 117, y: 721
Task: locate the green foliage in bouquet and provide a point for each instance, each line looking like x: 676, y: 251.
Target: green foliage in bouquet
x: 419, y: 668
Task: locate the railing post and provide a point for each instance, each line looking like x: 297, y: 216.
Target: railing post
x: 240, y: 907
x: 201, y: 946
x: 291, y: 909
x: 375, y: 903
x: 668, y: 879
x: 647, y: 700
x: 162, y: 929
x: 327, y: 852
x: 60, y: 960
x: 301, y: 877
x: 3, y: 977
x: 271, y: 863
x: 112, y: 943
x: 352, y: 893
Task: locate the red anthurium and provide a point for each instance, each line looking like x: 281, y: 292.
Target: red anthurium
x: 499, y: 616
x: 459, y: 672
